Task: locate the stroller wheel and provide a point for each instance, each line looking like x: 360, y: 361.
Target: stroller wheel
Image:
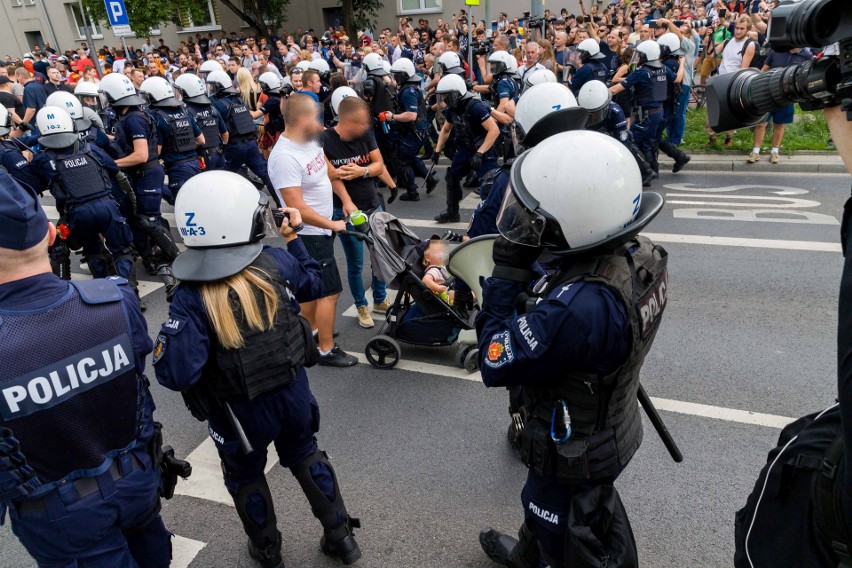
x: 461, y: 354
x: 471, y: 361
x: 383, y: 352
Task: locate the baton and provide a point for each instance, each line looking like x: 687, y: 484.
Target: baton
x: 238, y: 428
x: 659, y: 426
x: 429, y: 173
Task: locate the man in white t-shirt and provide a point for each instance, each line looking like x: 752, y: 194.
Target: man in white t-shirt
x: 299, y: 173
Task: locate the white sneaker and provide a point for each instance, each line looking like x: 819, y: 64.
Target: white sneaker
x: 753, y: 157
x: 364, y: 318
x: 382, y: 307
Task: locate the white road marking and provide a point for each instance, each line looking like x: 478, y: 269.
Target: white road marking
x: 184, y: 551
x: 718, y: 200
x: 678, y: 406
x: 780, y: 189
x: 815, y: 246
x: 206, y: 479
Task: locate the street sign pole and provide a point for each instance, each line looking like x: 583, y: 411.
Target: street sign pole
x: 89, y: 41
x: 119, y: 22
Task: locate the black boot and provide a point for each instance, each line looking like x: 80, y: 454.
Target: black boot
x: 340, y: 542
x: 680, y: 161
x: 431, y: 182
x: 268, y: 557
x: 507, y: 551
x: 410, y: 195
x: 259, y: 523
x: 451, y: 215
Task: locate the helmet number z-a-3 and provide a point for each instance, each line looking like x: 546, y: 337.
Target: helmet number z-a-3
x: 190, y: 227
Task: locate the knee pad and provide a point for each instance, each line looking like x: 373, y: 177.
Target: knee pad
x: 253, y: 502
x: 330, y: 511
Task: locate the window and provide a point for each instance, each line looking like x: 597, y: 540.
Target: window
x: 419, y: 6
x: 94, y: 27
x: 210, y: 20
x: 16, y: 3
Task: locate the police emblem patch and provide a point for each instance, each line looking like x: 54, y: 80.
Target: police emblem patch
x: 159, y: 348
x: 499, y: 351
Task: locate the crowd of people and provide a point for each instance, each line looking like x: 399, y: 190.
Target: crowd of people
x: 320, y: 128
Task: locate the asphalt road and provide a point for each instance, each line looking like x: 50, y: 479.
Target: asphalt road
x: 747, y: 340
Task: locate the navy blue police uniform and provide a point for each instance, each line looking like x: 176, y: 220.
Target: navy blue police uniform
x: 241, y: 149
x: 468, y: 135
x: 177, y: 131
x: 382, y: 98
x: 274, y: 119
x: 672, y: 64
x: 213, y: 128
x: 615, y: 124
x: 505, y: 87
x: 581, y: 345
x: 650, y: 87
x: 14, y: 162
x: 147, y: 180
x: 412, y: 136
x: 286, y: 414
x: 591, y: 70
x: 86, y: 495
x: 80, y: 178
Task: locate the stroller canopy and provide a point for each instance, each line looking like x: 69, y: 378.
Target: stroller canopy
x: 393, y: 246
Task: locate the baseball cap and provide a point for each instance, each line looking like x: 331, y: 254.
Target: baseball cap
x: 4, y: 80
x: 21, y: 216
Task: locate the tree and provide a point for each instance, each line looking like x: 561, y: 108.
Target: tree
x: 358, y: 14
x: 145, y: 15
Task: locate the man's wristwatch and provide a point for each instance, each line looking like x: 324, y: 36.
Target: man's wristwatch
x: 366, y: 172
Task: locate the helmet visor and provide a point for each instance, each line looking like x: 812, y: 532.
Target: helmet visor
x: 264, y: 226
x: 518, y: 138
x: 448, y: 100
x: 497, y: 67
x: 517, y: 223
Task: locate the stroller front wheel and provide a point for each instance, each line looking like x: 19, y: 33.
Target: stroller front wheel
x: 383, y: 352
x: 471, y: 361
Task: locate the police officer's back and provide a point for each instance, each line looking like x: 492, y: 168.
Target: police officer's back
x: 577, y: 349
x: 11, y: 157
x: 593, y: 66
x: 87, y: 129
x: 77, y: 439
x: 193, y: 92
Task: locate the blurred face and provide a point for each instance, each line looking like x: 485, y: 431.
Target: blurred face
x: 296, y: 80
x: 645, y: 32
x: 138, y: 77
x: 581, y: 36
x: 54, y: 75
x: 313, y: 85
x: 233, y: 67
x: 355, y: 126
x: 741, y: 30
x: 153, y: 69
x: 613, y: 39
x: 128, y: 71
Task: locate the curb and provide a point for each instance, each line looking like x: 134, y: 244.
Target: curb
x: 742, y: 166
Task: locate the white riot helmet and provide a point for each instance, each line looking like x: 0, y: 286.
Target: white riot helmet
x: 5, y: 121
x: 451, y: 63
x: 119, y: 91
x: 56, y: 127
x: 219, y: 83
x: 386, y: 66
x: 72, y: 106
x: 321, y: 67
x: 539, y: 76
x: 270, y: 83
x: 544, y: 110
x: 93, y: 118
x: 589, y: 49
x: 223, y: 235
x: 403, y: 71
x: 648, y: 53
x: 208, y: 67
x: 502, y: 62
x: 85, y: 90
x: 192, y: 89
x: 286, y: 86
x: 340, y: 93
x: 373, y: 64
x: 669, y: 45
x: 451, y: 89
x: 159, y: 92
x: 304, y: 65
x: 595, y: 97
x: 568, y: 210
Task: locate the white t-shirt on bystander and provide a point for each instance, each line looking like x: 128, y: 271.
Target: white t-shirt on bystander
x: 303, y: 165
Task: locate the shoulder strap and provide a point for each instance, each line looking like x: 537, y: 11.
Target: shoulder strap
x: 97, y: 291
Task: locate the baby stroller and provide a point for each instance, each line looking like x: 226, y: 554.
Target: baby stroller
x: 417, y: 316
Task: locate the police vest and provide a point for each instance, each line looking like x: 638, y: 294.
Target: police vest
x: 657, y: 90
x: 462, y: 131
x: 72, y: 404
x: 78, y: 176
x: 384, y: 96
x: 126, y: 144
x: 492, y: 88
x: 237, y: 117
x: 672, y: 89
x: 269, y: 359
x: 606, y: 427
x: 420, y: 123
x: 599, y: 70
x: 275, y: 120
x: 208, y: 121
x: 181, y: 138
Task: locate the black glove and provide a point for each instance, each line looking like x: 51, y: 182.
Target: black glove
x: 393, y: 193
x: 513, y: 261
x: 436, y: 155
x: 25, y: 126
x: 476, y: 162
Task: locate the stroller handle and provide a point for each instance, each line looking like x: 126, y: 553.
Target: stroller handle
x: 355, y: 234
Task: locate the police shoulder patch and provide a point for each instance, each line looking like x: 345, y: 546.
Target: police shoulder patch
x: 623, y: 135
x: 159, y: 348
x: 500, y: 351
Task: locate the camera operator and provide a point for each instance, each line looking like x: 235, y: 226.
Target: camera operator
x: 737, y: 53
x: 499, y: 43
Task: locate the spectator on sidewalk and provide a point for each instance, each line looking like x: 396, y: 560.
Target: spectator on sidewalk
x: 34, y: 95
x: 737, y: 53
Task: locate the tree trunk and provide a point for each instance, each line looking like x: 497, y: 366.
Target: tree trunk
x: 258, y: 26
x: 349, y: 20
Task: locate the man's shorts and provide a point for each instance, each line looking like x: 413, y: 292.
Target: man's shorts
x: 708, y: 65
x: 782, y: 116
x: 321, y: 249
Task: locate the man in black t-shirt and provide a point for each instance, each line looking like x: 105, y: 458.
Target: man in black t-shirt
x: 10, y: 101
x: 353, y: 161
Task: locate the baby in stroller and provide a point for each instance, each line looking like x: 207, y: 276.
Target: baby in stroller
x: 436, y: 277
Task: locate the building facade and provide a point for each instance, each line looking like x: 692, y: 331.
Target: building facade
x: 61, y: 23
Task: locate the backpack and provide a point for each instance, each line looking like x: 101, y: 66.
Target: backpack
x: 792, y: 519
x: 759, y: 56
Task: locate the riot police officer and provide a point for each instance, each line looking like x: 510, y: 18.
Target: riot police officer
x: 79, y: 453
x: 178, y: 134
x: 538, y: 76
x: 208, y: 67
x: 593, y: 66
x: 650, y: 87
x: 381, y: 96
x: 271, y: 85
x: 241, y: 139
x: 11, y: 158
x: 241, y: 364
x: 411, y: 128
x: 78, y: 175
x: 136, y: 136
x: 321, y: 66
x: 671, y: 55
x: 451, y: 63
x: 88, y: 95
x: 193, y: 92
x: 474, y: 132
x: 87, y: 130
x: 505, y: 88
x: 606, y: 117
x: 337, y: 96
x: 579, y: 380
